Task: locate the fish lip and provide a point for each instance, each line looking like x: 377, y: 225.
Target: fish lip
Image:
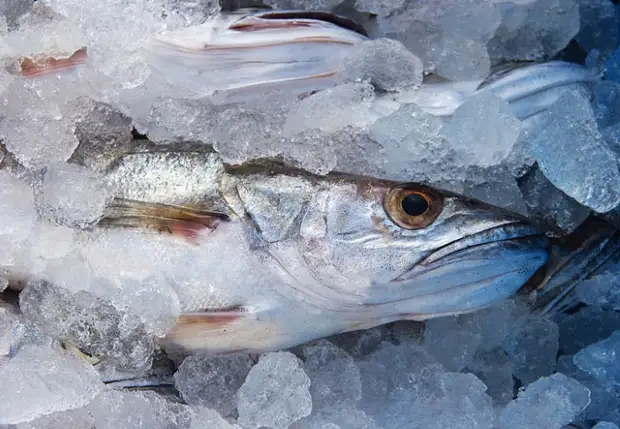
x: 510, y: 231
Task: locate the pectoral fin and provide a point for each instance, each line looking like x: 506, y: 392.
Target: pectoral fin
x: 187, y: 222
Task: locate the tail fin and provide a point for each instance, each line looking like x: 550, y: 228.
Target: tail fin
x: 575, y: 258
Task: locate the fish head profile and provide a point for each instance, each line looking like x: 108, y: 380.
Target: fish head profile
x: 382, y: 250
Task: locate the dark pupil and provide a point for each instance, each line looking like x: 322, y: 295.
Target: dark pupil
x: 414, y: 205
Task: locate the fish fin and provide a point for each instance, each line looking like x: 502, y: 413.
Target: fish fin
x: 39, y: 65
x: 233, y: 330
x: 591, y: 247
x: 186, y: 222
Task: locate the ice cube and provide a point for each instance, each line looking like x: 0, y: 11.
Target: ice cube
x: 332, y: 109
x: 205, y: 418
x: 532, y: 348
x: 612, y: 67
x: 70, y: 419
x: 337, y: 417
x: 359, y: 343
x: 605, y: 425
x: 385, y: 63
x: 456, y: 400
x: 534, y: 29
x: 114, y: 409
x: 494, y: 369
x: 275, y: 393
x: 213, y: 381
x: 92, y: 324
x: 8, y: 321
x: 586, y: 326
x: 51, y: 241
x: 593, y: 184
x: 17, y: 211
x: 483, y: 130
x: 600, y: 26
x: 453, y: 340
x: 548, y: 205
x: 12, y: 10
x: 599, y: 360
x: 378, y: 7
x: 606, y: 103
x: 549, y: 402
x: 602, y: 290
x: 496, y: 186
x: 73, y: 195
x: 47, y: 380
x: 103, y: 133
x: 334, y: 376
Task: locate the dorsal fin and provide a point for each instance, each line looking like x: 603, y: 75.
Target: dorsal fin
x: 317, y: 15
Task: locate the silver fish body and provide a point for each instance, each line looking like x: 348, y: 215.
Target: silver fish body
x: 318, y: 255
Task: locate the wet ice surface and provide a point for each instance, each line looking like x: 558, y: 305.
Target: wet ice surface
x: 498, y: 368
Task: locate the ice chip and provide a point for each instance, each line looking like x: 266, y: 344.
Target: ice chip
x: 213, y: 381
x: 337, y: 417
x: 602, y: 290
x: 51, y: 380
x: 73, y: 195
x: 90, y: 323
x: 114, y: 409
x: 8, y: 320
x: 494, y: 369
x: 586, y: 326
x: 606, y: 103
x: 275, y: 393
x: 331, y: 109
x: 70, y: 419
x: 453, y: 340
x: 496, y: 186
x: 378, y: 7
x: 532, y: 348
x: 334, y: 376
x: 549, y: 402
x: 17, y: 211
x: 385, y: 63
x: 205, y: 418
x: 600, y: 360
x: 359, y: 343
x: 612, y: 67
x: 593, y: 183
x: 600, y: 26
x: 548, y: 204
x: 605, y: 425
x: 483, y: 130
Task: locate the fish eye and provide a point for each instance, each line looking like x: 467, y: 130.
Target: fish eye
x: 412, y: 207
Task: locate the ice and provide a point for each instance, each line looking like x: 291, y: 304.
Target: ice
x: 549, y: 402
x: 494, y: 185
x: 456, y: 400
x: 600, y: 360
x: 592, y: 183
x: 612, y: 67
x: 532, y: 348
x: 602, y: 290
x: 483, y: 130
x: 600, y: 26
x: 17, y: 214
x: 130, y: 409
x: 12, y: 10
x: 602, y: 398
x: 548, y: 204
x: 494, y: 369
x: 69, y: 419
x: 332, y: 109
x: 385, y: 63
x: 359, y: 343
x: 606, y: 103
x: 587, y: 326
x: 91, y: 323
x: 73, y: 195
x: 534, y: 29
x: 449, y: 37
x: 378, y: 7
x: 337, y: 417
x: 8, y: 320
x: 205, y: 418
x: 335, y: 378
x: 213, y: 381
x: 453, y: 340
x: 47, y: 380
x: 275, y: 393
x: 604, y: 425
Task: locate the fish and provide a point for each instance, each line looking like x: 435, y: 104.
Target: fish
x: 238, y: 56
x: 323, y: 254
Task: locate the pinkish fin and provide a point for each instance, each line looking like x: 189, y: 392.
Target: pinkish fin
x: 186, y: 222
x: 41, y: 64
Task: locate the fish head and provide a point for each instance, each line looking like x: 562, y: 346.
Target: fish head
x: 395, y: 250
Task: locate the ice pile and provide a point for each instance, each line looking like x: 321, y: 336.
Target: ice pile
x: 77, y: 89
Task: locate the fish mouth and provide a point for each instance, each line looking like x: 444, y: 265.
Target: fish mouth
x: 475, y: 271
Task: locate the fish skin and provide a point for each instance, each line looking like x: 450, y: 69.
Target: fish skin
x: 330, y: 257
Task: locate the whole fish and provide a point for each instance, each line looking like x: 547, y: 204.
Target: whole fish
x: 236, y: 56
